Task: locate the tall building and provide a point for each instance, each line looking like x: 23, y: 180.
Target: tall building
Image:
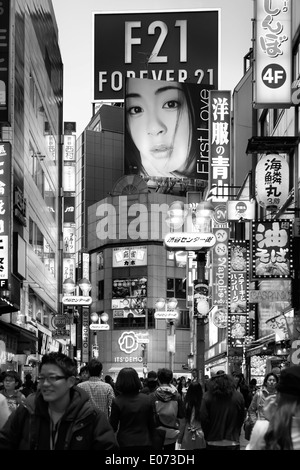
x: 31, y: 180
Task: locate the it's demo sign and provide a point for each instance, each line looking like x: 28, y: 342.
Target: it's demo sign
x: 174, y: 46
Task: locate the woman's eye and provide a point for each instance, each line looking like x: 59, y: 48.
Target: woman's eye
x: 135, y: 110
x: 173, y: 104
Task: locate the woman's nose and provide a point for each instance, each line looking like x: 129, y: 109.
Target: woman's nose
x: 155, y: 127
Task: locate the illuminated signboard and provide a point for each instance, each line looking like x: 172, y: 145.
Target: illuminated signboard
x: 69, y: 147
x: 273, y: 54
x: 219, y: 141
x: 5, y: 209
x: 272, y: 248
x: 238, y: 292
x: 169, y: 46
x: 271, y: 181
x: 134, y: 256
x: 4, y: 61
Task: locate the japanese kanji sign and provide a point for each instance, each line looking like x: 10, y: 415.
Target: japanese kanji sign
x: 271, y: 248
x: 271, y: 181
x: 189, y: 241
x: 273, y: 54
x: 238, y: 292
x: 5, y: 207
x: 219, y: 142
x: 4, y: 62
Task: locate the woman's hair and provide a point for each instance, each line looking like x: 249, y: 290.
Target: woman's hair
x: 278, y: 435
x: 64, y: 362
x: 128, y: 381
x: 270, y: 374
x: 133, y: 164
x: 192, y: 399
x: 221, y: 385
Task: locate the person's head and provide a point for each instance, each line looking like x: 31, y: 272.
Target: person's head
x: 152, y: 377
x: 238, y: 378
x: 253, y: 383
x: 109, y: 380
x: 194, y: 373
x: 84, y: 373
x: 221, y: 385
x: 28, y: 378
x: 270, y: 382
x: 285, y: 406
x: 95, y: 368
x: 128, y: 381
x: 160, y: 123
x: 164, y: 376
x: 11, y: 381
x: 57, y: 375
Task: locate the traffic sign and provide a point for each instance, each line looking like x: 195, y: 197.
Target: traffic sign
x: 76, y: 300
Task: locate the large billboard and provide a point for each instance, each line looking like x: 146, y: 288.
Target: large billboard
x: 166, y: 129
x: 173, y: 46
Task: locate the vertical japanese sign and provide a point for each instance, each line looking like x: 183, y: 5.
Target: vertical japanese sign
x: 85, y: 338
x: 272, y: 249
x: 5, y: 210
x: 238, y: 315
x: 273, y: 54
x: 69, y: 147
x: 219, y: 141
x: 271, y: 181
x: 4, y: 61
x: 220, y: 270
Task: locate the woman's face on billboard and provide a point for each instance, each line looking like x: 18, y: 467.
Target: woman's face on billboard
x: 158, y: 120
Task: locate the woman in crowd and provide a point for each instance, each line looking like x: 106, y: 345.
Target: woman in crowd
x: 269, y: 388
x: 191, y: 435
x: 132, y: 413
x: 281, y: 431
x: 160, y: 129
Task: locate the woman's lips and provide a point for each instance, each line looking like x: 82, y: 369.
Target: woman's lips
x: 161, y: 150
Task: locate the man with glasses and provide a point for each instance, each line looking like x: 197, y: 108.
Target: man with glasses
x: 59, y: 415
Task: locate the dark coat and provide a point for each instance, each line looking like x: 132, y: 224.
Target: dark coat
x: 81, y: 427
x: 222, y: 418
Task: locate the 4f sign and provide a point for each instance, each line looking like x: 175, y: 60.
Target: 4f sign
x: 273, y: 54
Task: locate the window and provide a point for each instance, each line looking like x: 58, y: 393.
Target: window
x: 100, y: 260
x: 176, y: 288
x: 133, y: 320
x: 101, y: 290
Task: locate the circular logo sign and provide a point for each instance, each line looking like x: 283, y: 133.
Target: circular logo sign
x: 273, y: 76
x: 59, y: 321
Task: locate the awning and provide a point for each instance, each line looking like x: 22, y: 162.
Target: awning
x: 26, y: 340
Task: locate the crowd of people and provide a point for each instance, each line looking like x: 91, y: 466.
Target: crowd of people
x: 70, y: 410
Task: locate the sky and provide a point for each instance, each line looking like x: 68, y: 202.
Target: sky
x: 75, y: 24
